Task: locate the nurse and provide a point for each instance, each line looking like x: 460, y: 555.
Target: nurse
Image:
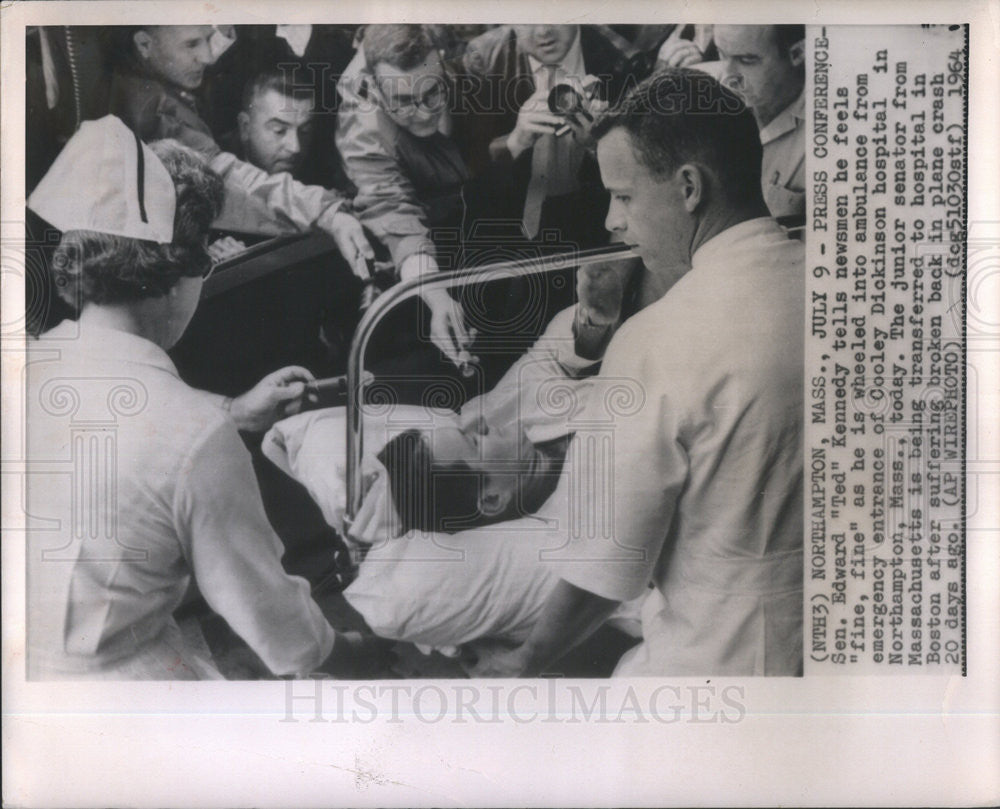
x: 141, y: 484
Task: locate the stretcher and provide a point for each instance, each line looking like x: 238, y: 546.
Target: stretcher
x: 358, y: 378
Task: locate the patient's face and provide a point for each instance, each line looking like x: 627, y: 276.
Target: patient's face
x: 492, y: 454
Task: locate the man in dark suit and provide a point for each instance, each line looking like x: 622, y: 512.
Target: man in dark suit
x: 509, y: 134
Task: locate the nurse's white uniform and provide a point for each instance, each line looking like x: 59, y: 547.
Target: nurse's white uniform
x: 138, y: 484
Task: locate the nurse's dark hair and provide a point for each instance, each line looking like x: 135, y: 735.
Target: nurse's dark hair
x: 680, y: 116
x: 91, y: 267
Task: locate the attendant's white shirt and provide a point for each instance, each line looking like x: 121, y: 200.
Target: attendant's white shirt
x: 138, y: 484
x: 693, y: 481
x: 783, y: 169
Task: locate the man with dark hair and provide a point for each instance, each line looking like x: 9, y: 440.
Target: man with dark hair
x: 275, y: 123
x: 153, y: 91
x: 509, y: 130
x: 452, y: 479
x: 707, y: 470
x: 765, y: 64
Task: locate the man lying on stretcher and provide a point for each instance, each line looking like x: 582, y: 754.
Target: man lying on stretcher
x: 467, y: 562
x: 497, y: 459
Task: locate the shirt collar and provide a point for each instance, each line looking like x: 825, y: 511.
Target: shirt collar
x: 786, y: 120
x: 732, y: 238
x: 571, y: 65
x: 100, y: 343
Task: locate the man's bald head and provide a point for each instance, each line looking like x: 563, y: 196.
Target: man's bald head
x: 765, y: 64
x: 176, y: 54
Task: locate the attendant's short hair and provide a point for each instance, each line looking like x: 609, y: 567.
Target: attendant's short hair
x: 276, y: 80
x: 682, y: 116
x: 402, y: 46
x: 91, y: 267
x: 787, y: 35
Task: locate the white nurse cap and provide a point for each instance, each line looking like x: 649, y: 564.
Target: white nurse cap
x: 107, y: 180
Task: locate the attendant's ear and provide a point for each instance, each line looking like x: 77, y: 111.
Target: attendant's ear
x: 143, y: 42
x: 797, y: 53
x: 692, y: 184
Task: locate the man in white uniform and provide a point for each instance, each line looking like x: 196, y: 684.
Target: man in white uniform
x: 765, y: 64
x: 706, y: 504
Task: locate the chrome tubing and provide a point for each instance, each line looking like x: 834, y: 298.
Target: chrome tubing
x: 403, y: 291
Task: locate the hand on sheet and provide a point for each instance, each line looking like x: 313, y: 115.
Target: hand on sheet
x: 350, y: 238
x: 277, y: 395
x: 489, y: 658
x: 225, y: 247
x: 375, y: 520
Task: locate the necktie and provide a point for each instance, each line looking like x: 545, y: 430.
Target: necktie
x: 555, y: 162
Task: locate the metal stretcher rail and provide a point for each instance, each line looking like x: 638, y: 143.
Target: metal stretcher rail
x: 439, y: 280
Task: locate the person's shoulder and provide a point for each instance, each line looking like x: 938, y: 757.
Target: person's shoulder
x: 483, y: 52
x: 603, y: 55
x: 134, y: 95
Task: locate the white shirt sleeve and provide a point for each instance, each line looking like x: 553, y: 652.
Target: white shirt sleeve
x: 236, y: 557
x: 626, y: 473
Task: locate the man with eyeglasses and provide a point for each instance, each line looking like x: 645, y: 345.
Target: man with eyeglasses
x: 393, y: 135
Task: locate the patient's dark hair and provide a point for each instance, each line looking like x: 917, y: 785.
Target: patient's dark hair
x: 428, y: 496
x: 444, y: 496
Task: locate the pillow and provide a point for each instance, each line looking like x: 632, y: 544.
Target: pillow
x: 312, y: 448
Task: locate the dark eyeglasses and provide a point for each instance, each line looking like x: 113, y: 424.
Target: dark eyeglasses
x: 431, y: 100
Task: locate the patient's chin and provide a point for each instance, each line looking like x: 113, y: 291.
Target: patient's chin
x: 493, y: 505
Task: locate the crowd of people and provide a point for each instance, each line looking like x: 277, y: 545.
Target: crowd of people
x: 684, y: 143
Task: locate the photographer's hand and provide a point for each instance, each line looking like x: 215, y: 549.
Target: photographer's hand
x: 534, y: 119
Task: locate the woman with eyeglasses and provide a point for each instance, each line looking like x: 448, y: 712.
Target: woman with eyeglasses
x: 393, y: 134
x: 151, y: 488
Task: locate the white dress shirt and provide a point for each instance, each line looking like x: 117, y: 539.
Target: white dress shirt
x: 704, y: 503
x: 783, y: 169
